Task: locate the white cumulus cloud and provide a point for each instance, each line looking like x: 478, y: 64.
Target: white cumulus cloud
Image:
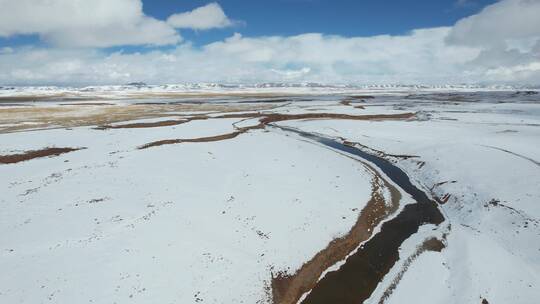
x: 500, y: 44
x: 498, y: 23
x: 507, y: 34
x: 98, y: 23
x: 203, y: 18
x: 420, y: 56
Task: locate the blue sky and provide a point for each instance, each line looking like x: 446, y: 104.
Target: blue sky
x: 292, y: 17
x: 342, y: 17
x: 79, y: 42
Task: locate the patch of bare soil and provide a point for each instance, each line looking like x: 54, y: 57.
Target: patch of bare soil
x: 274, y: 117
x: 271, y: 100
x: 361, y: 97
x: 199, y: 139
x: 43, y: 116
x: 289, y: 288
x: 231, y: 135
x: 28, y: 155
x: 354, y: 100
x: 267, y: 119
x: 348, y: 102
x: 77, y: 96
x: 46, y: 117
x: 202, y: 139
x: 163, y: 123
x: 88, y: 104
x: 239, y: 115
x: 14, y: 105
x: 33, y: 98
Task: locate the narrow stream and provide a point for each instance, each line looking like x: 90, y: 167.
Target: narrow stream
x: 357, y: 278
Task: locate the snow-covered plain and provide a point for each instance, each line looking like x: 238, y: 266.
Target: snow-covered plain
x: 485, y: 153
x: 213, y: 221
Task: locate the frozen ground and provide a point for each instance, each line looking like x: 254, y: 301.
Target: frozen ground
x: 215, y: 90
x: 218, y: 218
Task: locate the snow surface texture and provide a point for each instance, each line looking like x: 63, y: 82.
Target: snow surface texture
x: 211, y: 221
x: 485, y: 153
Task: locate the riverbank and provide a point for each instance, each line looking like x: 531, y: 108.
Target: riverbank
x: 269, y: 200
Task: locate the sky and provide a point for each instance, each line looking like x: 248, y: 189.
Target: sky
x: 82, y: 42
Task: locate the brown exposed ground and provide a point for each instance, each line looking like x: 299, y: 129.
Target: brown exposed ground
x: 202, y: 139
x: 76, y: 96
x: 15, y: 105
x: 199, y: 139
x: 38, y: 116
x: 28, y: 155
x: 348, y: 102
x: 13, y: 119
x: 88, y: 104
x: 361, y: 97
x: 274, y: 117
x: 167, y: 123
x: 266, y: 119
x: 32, y: 98
x: 239, y: 115
x: 289, y: 288
x: 353, y: 101
x: 163, y: 123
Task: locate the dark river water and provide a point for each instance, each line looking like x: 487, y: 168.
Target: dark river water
x: 357, y: 278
